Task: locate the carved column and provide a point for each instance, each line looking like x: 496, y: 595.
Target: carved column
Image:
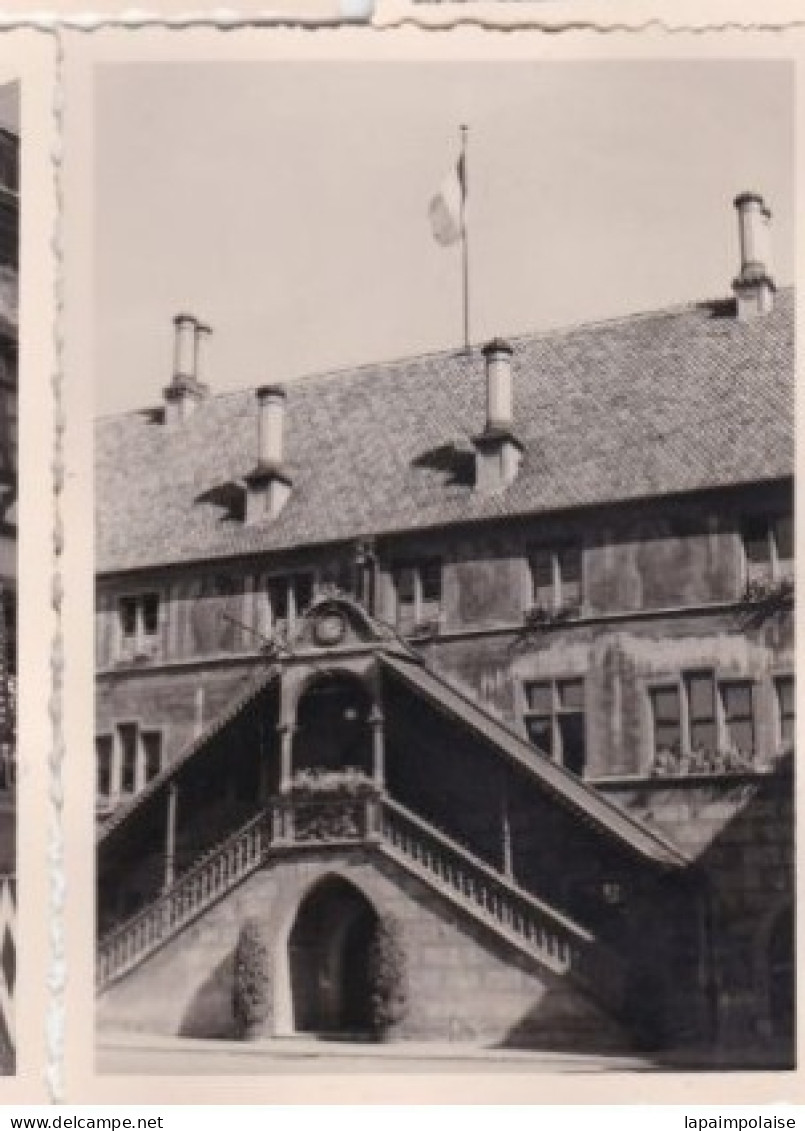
x: 376, y: 722
x: 170, y: 835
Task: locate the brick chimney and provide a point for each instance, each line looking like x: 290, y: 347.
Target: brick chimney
x: 754, y: 286
x: 185, y: 390
x: 268, y: 485
x: 498, y: 451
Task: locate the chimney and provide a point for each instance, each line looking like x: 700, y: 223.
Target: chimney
x: 268, y: 485
x: 185, y: 390
x: 498, y: 450
x: 754, y: 286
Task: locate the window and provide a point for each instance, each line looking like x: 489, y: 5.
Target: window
x: 128, y: 757
x: 554, y: 721
x: 786, y: 708
x: 139, y: 623
x: 126, y: 760
x: 667, y: 713
x: 288, y: 599
x: 152, y: 753
x: 705, y: 723
x: 418, y: 586
x: 768, y: 546
x: 104, y: 752
x: 739, y: 716
x: 555, y: 576
x: 9, y: 162
x: 700, y: 688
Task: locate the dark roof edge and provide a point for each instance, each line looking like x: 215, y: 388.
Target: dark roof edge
x: 607, y: 816
x: 456, y: 524
x: 122, y: 812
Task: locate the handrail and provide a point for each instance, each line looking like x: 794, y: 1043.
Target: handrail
x: 480, y: 865
x: 534, y: 926
x: 219, y: 871
x: 531, y: 925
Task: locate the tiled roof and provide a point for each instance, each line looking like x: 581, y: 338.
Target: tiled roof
x: 669, y: 402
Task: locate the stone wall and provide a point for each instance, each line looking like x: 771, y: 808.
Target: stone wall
x: 740, y: 834
x: 465, y: 984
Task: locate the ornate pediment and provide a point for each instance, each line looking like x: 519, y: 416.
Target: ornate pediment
x: 336, y: 620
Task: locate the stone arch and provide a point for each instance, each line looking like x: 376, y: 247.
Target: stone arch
x: 298, y: 682
x: 324, y: 949
x: 332, y: 728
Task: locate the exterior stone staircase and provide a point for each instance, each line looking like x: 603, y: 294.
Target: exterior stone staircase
x: 536, y: 931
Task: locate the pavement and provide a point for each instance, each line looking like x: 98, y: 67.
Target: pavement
x: 122, y: 1054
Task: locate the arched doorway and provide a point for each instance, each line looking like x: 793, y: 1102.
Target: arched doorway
x: 780, y: 973
x: 332, y: 725
x: 328, y: 954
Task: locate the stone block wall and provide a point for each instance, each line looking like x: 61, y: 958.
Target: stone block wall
x: 465, y: 984
x: 740, y: 835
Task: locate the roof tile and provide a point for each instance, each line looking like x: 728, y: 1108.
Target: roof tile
x: 660, y: 403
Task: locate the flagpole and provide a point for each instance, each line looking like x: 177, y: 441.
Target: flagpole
x: 465, y: 243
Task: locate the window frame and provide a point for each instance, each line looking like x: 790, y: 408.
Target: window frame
x: 141, y: 779
x: 294, y: 614
x: 721, y: 681
x: 554, y: 550
x: 776, y: 568
x: 779, y: 715
x: 421, y: 608
x: 140, y: 642
x: 557, y: 711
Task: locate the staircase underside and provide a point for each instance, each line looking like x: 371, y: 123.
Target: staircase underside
x: 474, y: 973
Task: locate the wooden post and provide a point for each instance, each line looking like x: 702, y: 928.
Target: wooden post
x: 378, y: 749
x: 286, y: 775
x: 170, y: 836
x: 286, y: 758
x: 506, y: 831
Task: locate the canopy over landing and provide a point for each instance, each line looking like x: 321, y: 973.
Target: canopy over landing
x: 338, y: 640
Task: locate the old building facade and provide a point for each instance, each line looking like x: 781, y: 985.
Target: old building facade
x: 491, y: 655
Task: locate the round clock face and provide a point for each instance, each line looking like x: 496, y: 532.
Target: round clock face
x: 330, y: 629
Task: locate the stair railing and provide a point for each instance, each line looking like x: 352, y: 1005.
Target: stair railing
x: 215, y: 875
x: 558, y: 942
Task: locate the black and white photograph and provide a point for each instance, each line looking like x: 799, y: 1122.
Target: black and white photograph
x: 444, y: 566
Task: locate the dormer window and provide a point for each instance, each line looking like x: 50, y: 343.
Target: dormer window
x: 555, y: 578
x: 768, y: 548
x: 418, y: 586
x: 139, y: 624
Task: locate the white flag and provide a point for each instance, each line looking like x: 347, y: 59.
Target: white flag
x: 446, y: 210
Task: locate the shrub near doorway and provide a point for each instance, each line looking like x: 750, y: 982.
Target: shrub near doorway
x: 252, y: 991
x: 388, y: 978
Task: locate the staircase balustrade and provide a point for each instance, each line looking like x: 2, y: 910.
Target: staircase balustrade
x: 555, y: 940
x: 192, y: 893
x: 293, y: 823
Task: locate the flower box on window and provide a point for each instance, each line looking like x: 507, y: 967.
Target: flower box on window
x: 539, y: 616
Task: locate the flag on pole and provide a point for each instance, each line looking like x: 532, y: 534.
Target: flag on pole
x: 446, y: 210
